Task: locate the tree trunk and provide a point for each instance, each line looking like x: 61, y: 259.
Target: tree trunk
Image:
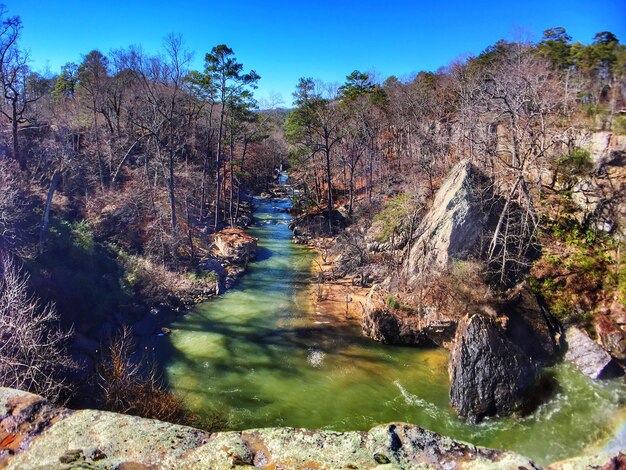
x: 231, y: 181
x: 46, y: 213
x: 170, y: 185
x: 16, y: 143
x: 351, y: 202
x: 329, y: 207
x: 218, y: 164
x: 189, y: 230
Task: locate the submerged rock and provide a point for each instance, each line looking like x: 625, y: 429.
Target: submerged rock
x: 453, y: 226
x: 489, y: 374
x: 587, y: 355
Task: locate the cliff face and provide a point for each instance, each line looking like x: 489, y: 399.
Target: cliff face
x: 453, y: 226
x: 37, y: 434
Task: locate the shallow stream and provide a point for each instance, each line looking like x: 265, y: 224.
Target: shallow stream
x: 261, y: 356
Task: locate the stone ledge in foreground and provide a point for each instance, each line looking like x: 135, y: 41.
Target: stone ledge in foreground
x: 37, y: 434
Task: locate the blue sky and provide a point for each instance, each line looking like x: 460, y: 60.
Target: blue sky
x: 285, y: 40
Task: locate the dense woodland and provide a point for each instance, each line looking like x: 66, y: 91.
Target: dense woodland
x: 115, y: 172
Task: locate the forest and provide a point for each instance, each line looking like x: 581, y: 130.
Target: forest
x: 117, y: 172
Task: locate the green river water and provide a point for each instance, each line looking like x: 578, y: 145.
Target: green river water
x: 261, y: 356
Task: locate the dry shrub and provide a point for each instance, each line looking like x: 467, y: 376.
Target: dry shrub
x: 156, y: 284
x: 33, y: 347
x: 463, y: 288
x: 134, y: 387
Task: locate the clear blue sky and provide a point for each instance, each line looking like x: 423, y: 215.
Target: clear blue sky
x: 285, y: 40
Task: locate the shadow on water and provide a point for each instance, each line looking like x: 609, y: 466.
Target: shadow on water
x: 258, y: 355
x: 263, y: 254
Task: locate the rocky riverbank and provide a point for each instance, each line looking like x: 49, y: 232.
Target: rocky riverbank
x: 36, y: 434
x: 161, y: 296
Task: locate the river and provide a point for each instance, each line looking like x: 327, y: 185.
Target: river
x: 261, y: 356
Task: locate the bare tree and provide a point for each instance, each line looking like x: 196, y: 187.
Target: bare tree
x: 316, y: 126
x: 13, y: 79
x: 33, y: 353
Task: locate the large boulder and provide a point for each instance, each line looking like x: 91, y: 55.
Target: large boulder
x: 587, y: 355
x: 453, y: 226
x: 395, y: 326
x: 489, y: 374
x: 235, y: 245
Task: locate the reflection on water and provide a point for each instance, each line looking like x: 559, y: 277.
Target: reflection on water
x: 259, y: 355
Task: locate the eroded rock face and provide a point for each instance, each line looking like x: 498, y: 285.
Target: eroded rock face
x: 611, y: 333
x: 587, y: 355
x: 98, y: 439
x: 489, y: 374
x: 453, y: 226
x: 389, y: 326
x: 602, y: 194
x: 236, y: 245
x: 604, y: 146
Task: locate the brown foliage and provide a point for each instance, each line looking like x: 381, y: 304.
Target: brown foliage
x: 127, y: 385
x: 462, y: 289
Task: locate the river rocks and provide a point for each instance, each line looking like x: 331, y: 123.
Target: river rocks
x: 394, y: 326
x: 453, y: 226
x: 587, y: 355
x: 235, y: 245
x: 489, y: 374
x: 99, y: 439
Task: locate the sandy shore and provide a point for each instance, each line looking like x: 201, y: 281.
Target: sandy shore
x: 336, y: 300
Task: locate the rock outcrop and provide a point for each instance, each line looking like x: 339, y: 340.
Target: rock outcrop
x: 36, y: 434
x: 235, y: 245
x: 587, y: 355
x: 453, y: 226
x: 393, y: 326
x: 604, y: 147
x: 610, y: 325
x: 489, y: 374
x: 602, y: 194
